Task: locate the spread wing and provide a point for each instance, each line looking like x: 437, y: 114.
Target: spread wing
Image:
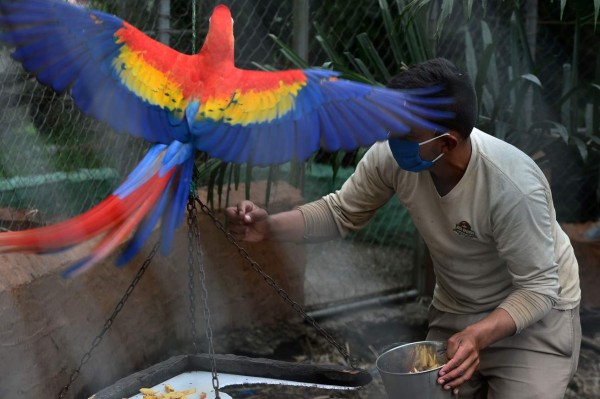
x: 273, y: 117
x: 115, y: 72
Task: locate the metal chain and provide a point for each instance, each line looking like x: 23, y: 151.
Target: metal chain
x: 195, y: 257
x: 109, y: 322
x: 191, y: 274
x: 280, y: 291
x: 194, y: 27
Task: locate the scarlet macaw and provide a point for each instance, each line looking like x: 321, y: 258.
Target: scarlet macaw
x: 183, y: 104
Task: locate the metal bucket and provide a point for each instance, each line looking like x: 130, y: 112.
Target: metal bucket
x: 411, y: 370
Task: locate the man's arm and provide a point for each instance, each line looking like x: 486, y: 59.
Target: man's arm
x: 286, y: 226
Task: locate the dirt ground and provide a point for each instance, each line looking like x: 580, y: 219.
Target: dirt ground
x: 365, y: 334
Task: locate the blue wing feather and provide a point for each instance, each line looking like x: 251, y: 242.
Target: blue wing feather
x: 328, y: 112
x: 330, y: 139
x: 142, y: 172
x: 70, y: 47
x: 229, y: 149
x: 144, y: 231
x: 170, y: 207
x: 173, y: 214
x: 306, y: 143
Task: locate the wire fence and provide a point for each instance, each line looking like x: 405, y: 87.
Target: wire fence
x: 56, y: 163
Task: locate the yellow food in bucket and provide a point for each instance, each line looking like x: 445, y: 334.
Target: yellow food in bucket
x: 425, y: 359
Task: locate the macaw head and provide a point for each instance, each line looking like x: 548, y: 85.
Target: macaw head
x: 219, y: 40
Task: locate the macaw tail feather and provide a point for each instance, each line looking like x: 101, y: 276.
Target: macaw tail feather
x: 154, y: 192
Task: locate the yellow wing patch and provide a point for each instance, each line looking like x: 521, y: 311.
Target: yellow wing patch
x: 254, y: 106
x: 146, y: 81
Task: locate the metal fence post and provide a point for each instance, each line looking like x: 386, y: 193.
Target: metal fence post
x: 164, y: 22
x: 301, y: 27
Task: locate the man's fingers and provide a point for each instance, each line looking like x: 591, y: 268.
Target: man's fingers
x: 245, y: 207
x: 461, y: 373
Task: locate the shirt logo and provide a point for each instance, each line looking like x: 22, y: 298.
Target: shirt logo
x: 464, y: 229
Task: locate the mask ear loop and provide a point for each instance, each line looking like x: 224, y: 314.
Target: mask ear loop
x: 438, y: 157
x: 434, y: 138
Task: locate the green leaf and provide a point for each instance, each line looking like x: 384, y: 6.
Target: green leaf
x: 595, y: 139
x: 248, y: 180
x: 555, y: 127
x: 470, y: 59
x: 447, y: 6
x: 390, y: 28
x: 413, y: 7
x: 533, y: 79
x: 492, y: 76
x: 360, y: 65
x: 518, y: 31
x: 371, y: 52
x: 271, y: 178
x: 583, y: 151
x: 416, y: 35
x: 596, y: 12
x: 562, y: 131
x: 237, y: 172
x: 483, y: 70
x: 289, y: 53
x: 328, y: 47
x: 468, y: 8
x: 220, y: 181
x: 567, y: 96
x: 486, y: 103
x: 336, y: 163
x: 515, y: 56
x: 505, y: 95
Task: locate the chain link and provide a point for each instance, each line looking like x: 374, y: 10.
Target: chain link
x: 195, y: 259
x: 109, y: 322
x: 269, y: 280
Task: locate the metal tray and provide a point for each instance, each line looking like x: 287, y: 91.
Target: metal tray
x: 235, y: 370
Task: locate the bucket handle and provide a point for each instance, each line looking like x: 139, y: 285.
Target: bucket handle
x: 396, y: 344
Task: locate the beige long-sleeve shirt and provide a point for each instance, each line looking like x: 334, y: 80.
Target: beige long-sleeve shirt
x: 494, y: 239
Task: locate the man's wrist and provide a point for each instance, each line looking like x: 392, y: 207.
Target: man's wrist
x: 496, y: 326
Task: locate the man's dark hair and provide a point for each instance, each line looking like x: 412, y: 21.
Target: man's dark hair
x: 455, y: 84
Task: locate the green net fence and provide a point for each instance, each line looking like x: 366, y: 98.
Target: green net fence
x: 56, y: 162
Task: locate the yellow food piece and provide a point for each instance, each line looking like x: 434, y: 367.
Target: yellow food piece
x: 170, y: 393
x: 425, y: 358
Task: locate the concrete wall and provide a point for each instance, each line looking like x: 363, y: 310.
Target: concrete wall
x: 47, y: 323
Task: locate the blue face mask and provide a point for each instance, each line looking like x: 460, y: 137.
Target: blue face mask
x: 406, y: 153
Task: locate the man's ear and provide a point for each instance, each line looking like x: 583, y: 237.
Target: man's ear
x: 450, y: 141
